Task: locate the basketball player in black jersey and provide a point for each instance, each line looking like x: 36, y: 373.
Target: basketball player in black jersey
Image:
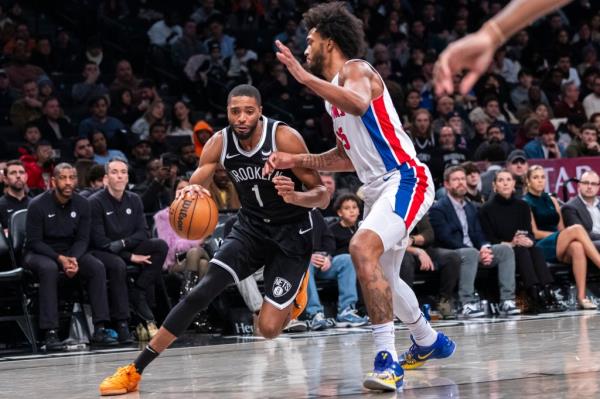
x: 273, y: 228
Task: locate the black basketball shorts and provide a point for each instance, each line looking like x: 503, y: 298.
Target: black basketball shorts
x: 284, y: 250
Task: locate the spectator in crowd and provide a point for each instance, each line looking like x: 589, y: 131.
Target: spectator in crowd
x: 422, y: 135
x: 595, y: 119
x: 569, y: 74
x: 328, y: 179
x: 570, y: 245
x: 202, y: 132
x: 101, y: 152
x: 141, y: 153
x: 82, y: 149
x: 31, y: 136
x: 155, y: 190
x: 331, y: 261
x: 119, y: 236
x: 58, y: 234
x: 223, y: 191
x: 505, y: 67
x: 473, y: 175
x: 519, y: 95
x: 238, y: 71
x: 148, y: 94
x: 181, y: 123
x: 122, y: 107
x: 15, y: 195
x: 203, y: 13
x: 446, y: 153
x: 421, y: 255
x: 444, y: 106
x: 584, y: 209
x: 154, y: 114
x: 495, y: 147
x: 19, y: 70
x: 39, y: 166
x: 506, y: 219
x: 218, y: 36
x: 456, y: 226
x: 491, y: 107
x: 591, y: 103
x: 569, y: 104
x: 517, y: 165
x: 586, y: 144
x: 21, y: 33
x: 187, y: 45
x: 95, y: 180
x: 411, y: 105
x: 188, y: 161
x: 8, y: 96
x: 28, y: 108
x: 43, y: 56
x: 545, y: 146
x: 66, y: 50
x: 157, y: 136
x: 165, y: 31
x: 94, y: 52
x: 99, y: 119
x: 54, y: 127
x: 90, y: 87
x: 125, y: 79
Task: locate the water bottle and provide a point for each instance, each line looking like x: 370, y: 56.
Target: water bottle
x: 572, y: 301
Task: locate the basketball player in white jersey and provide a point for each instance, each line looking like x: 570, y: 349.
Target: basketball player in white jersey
x: 398, y: 189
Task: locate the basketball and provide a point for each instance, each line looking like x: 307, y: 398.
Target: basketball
x: 193, y: 217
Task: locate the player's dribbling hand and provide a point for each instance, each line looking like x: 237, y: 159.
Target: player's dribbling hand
x: 278, y: 160
x: 474, y: 52
x: 193, y: 189
x: 285, y: 188
x: 285, y: 56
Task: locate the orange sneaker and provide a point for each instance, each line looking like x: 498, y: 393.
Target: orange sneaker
x: 301, y: 297
x: 126, y: 379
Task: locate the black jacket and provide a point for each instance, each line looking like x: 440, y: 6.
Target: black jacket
x: 55, y: 229
x: 117, y: 226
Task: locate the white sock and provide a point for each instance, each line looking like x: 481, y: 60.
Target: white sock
x: 383, y: 335
x: 422, y: 332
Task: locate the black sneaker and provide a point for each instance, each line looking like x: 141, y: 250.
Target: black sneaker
x: 140, y: 304
x: 103, y: 337
x: 52, y: 342
x: 123, y: 333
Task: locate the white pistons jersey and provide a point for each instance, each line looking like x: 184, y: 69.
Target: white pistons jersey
x: 375, y: 141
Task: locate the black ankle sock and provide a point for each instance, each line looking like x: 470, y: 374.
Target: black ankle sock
x: 145, y: 358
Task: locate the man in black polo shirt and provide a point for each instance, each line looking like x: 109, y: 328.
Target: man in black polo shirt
x: 119, y: 234
x: 15, y: 198
x: 58, y: 232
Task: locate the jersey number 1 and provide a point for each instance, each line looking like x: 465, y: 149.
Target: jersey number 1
x: 258, y: 199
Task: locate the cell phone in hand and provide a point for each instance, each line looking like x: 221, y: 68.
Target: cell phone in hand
x: 522, y: 232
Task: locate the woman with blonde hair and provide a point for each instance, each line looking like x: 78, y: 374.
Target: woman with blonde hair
x: 570, y: 245
x: 155, y: 113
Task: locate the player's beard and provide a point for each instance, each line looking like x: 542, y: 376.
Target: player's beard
x: 248, y: 134
x: 317, y: 63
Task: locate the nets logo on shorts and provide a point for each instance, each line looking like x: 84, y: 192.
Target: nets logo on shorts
x: 281, y: 287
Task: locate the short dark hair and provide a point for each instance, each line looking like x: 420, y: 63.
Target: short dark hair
x: 339, y: 201
x: 155, y: 125
x: 78, y: 139
x: 334, y: 21
x: 470, y: 167
x: 453, y: 169
x: 115, y: 159
x: 245, y: 91
x: 12, y: 162
x: 589, y: 126
x: 96, y: 172
x: 47, y: 100
x: 94, y: 100
x: 594, y: 116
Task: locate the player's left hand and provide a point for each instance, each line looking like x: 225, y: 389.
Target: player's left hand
x: 285, y: 56
x: 285, y: 188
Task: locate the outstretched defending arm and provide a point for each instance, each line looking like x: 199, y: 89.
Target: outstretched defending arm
x: 474, y: 52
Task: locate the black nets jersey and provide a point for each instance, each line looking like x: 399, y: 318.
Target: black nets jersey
x: 257, y: 193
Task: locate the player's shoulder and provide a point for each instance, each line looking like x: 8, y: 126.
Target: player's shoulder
x: 356, y: 67
x: 287, y: 138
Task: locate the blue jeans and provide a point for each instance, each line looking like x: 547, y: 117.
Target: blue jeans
x: 341, y: 270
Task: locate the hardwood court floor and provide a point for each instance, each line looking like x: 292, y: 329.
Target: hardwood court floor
x: 550, y: 356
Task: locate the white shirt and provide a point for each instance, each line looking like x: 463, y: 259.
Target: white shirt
x: 160, y: 32
x: 594, y: 212
x: 591, y: 104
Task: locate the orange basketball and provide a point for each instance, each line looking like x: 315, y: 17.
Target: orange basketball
x: 193, y: 217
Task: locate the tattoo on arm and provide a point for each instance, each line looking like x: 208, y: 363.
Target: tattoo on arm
x: 319, y: 161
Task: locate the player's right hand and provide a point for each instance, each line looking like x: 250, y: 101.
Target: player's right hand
x: 278, y: 160
x: 193, y: 189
